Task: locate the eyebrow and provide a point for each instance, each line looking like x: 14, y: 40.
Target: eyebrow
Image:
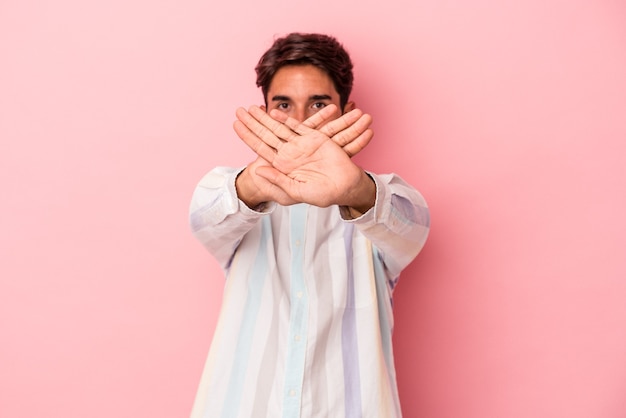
x: 320, y: 97
x: 279, y: 98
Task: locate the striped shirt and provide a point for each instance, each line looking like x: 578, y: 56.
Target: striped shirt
x: 306, y: 320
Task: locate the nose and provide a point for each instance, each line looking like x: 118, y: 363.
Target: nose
x: 299, y: 115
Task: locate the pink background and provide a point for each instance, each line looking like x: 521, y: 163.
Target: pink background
x: 509, y: 116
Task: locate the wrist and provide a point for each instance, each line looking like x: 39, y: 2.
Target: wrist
x: 246, y: 191
x: 364, y: 197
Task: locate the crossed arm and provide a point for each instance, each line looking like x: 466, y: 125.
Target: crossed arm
x: 305, y: 162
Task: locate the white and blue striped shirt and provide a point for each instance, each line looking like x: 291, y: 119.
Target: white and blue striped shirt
x: 306, y: 320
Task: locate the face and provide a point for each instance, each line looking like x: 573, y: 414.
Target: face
x: 302, y: 90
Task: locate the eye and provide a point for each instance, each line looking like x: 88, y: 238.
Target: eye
x: 282, y: 106
x: 318, y: 105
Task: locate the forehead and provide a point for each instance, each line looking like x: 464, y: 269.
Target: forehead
x: 301, y: 79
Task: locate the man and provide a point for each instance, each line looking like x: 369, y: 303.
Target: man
x: 312, y: 247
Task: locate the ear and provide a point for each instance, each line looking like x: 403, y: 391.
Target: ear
x: 349, y: 106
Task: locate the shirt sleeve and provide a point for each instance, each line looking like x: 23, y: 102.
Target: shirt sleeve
x: 398, y: 224
x: 218, y: 218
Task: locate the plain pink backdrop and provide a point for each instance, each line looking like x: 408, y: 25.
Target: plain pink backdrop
x: 509, y: 116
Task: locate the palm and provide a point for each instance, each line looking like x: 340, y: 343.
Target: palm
x: 312, y: 169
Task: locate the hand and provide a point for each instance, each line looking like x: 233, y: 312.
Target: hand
x: 306, y: 164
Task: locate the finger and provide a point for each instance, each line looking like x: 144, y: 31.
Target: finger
x: 278, y: 128
x: 281, y: 181
x: 293, y: 124
x: 275, y: 193
x: 255, y: 143
x: 318, y: 118
x: 353, y: 131
x: 261, y: 131
x: 314, y: 121
x: 341, y: 123
x: 360, y: 142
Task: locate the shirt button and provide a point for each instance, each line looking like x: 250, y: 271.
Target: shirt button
x: 299, y: 295
x: 292, y: 392
x: 297, y: 338
x: 297, y: 243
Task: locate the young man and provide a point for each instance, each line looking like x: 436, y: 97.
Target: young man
x: 312, y: 247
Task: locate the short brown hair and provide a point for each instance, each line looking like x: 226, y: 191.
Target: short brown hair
x: 322, y: 51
